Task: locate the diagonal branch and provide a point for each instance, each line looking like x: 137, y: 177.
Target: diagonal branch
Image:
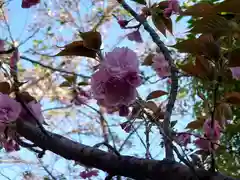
x: 52, y: 68
x: 127, y: 166
x: 174, y: 78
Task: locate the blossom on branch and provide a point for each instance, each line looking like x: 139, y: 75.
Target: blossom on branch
x: 135, y: 36
x: 9, y: 110
x: 173, y: 7
x: 82, y: 97
x: 35, y: 109
x: 115, y: 83
x: 123, y: 23
x: 212, y: 133
x: 11, y: 145
x: 183, y: 139
x: 160, y: 65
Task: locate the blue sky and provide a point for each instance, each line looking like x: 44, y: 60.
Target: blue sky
x: 19, y: 19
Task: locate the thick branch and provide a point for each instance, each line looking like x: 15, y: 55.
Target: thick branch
x: 174, y: 78
x: 124, y: 165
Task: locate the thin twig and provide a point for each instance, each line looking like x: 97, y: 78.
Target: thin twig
x: 52, y: 68
x: 174, y: 78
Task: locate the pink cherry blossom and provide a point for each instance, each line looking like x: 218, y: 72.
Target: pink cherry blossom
x: 183, y: 139
x: 235, y: 72
x: 127, y: 126
x: 115, y: 83
x: 173, y: 7
x: 167, y: 12
x: 135, y: 36
x: 29, y: 3
x: 213, y: 134
x: 35, y: 109
x: 88, y: 174
x: 9, y: 109
x: 205, y: 144
x: 123, y: 23
x: 160, y: 65
x: 123, y: 110
x: 11, y: 145
x: 82, y: 97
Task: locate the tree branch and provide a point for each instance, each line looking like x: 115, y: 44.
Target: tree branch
x: 174, y: 78
x: 52, y: 68
x: 127, y: 166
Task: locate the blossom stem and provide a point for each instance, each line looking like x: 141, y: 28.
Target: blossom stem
x: 174, y: 78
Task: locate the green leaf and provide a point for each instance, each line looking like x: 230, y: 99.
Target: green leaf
x: 70, y: 79
x: 65, y: 84
x: 182, y: 93
x: 140, y: 2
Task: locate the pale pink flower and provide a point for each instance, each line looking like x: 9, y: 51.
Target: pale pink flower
x: 115, y: 83
x: 135, y: 36
x: 235, y: 72
x: 35, y: 109
x: 160, y: 65
x: 183, y: 139
x: 9, y: 109
x: 29, y: 3
x: 213, y: 134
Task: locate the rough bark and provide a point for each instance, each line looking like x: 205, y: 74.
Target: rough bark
x: 127, y: 166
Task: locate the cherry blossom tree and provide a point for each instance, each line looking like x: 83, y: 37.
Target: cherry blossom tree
x: 104, y: 88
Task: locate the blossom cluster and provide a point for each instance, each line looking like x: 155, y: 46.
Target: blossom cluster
x: 10, y: 112
x: 210, y: 139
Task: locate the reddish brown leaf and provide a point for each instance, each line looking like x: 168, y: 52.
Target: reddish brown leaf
x: 77, y: 48
x: 228, y: 6
x: 223, y: 112
x: 92, y: 40
x: 197, y: 124
x: 234, y: 59
x: 199, y: 10
x: 201, y: 68
x: 5, y: 87
x: 26, y: 97
x: 168, y: 23
x: 156, y: 94
x: 151, y: 105
x: 157, y: 18
x: 233, y: 98
x: 213, y: 24
x: 163, y: 5
x: 204, y: 45
x: 148, y: 60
